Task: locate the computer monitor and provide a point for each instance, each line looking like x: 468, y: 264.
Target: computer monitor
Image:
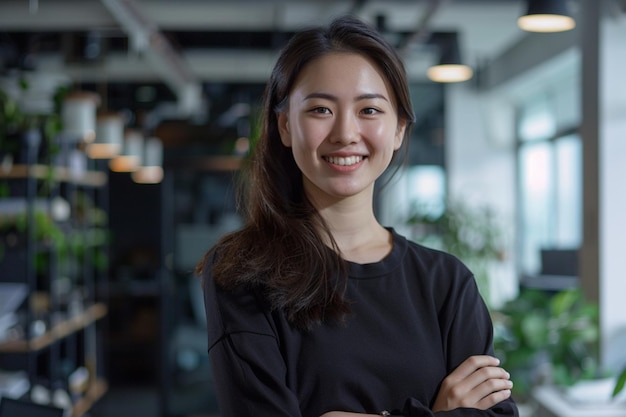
x: 10, y: 407
x: 562, y: 262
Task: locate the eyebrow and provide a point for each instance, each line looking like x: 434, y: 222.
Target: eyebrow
x: 331, y: 97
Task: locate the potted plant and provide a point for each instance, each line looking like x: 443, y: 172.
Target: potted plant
x: 15, y: 123
x: 547, y: 338
x: 48, y: 234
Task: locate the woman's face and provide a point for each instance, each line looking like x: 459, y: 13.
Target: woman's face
x: 342, y: 126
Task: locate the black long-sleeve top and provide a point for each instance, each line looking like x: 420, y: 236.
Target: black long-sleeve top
x: 417, y: 314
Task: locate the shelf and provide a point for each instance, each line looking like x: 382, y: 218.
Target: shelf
x: 58, y: 332
x: 95, y: 391
x: 224, y: 163
x: 88, y: 178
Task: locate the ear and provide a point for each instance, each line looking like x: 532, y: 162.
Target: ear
x: 399, y: 137
x: 283, y: 128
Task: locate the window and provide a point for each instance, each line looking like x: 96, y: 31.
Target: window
x: 550, y: 185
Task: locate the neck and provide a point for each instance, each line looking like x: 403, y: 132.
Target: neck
x: 356, y: 230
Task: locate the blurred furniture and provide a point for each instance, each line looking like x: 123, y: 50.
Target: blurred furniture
x: 199, y: 203
x: 10, y: 407
x: 559, y: 271
x: 551, y: 403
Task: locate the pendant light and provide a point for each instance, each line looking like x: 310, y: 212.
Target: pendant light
x: 450, y: 69
x: 151, y: 169
x: 78, y: 115
x: 129, y: 159
x: 109, y: 137
x: 546, y: 16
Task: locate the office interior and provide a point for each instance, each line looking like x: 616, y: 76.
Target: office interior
x: 534, y: 142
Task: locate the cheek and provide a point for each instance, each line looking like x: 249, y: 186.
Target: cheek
x: 383, y: 134
x: 309, y: 134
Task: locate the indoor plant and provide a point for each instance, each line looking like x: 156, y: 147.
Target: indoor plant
x: 470, y: 233
x: 15, y: 121
x: 621, y: 381
x: 547, y: 338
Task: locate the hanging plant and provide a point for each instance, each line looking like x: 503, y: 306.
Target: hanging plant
x: 14, y: 121
x: 48, y: 235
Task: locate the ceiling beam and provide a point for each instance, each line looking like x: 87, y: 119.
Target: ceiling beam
x: 147, y: 41
x: 210, y: 66
x: 15, y: 15
x: 530, y: 51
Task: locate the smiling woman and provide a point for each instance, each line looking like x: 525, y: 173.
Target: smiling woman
x: 342, y: 126
x: 313, y: 307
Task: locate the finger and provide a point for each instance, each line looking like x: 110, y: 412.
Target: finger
x: 493, y: 399
x: 467, y: 377
x: 479, y: 385
x: 490, y: 387
x: 473, y: 363
x: 487, y: 395
x: 481, y: 375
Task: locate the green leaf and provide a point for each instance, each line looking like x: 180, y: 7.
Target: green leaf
x: 564, y: 301
x: 534, y: 329
x: 621, y: 381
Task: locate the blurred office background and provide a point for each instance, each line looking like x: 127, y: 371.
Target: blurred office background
x: 528, y: 150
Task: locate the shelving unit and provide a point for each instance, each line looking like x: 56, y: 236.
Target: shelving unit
x: 62, y: 174
x: 94, y: 392
x: 58, y: 332
x: 70, y: 339
x: 208, y: 183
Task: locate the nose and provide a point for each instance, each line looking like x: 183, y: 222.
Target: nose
x: 345, y: 129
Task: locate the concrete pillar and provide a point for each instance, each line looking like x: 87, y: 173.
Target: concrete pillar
x: 603, y: 130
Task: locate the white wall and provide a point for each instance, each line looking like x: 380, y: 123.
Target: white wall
x: 480, y: 158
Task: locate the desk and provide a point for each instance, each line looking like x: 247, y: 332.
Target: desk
x: 551, y: 403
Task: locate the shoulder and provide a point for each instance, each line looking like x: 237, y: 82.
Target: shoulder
x: 440, y: 275
x: 429, y: 259
x: 231, y: 261
x: 237, y: 308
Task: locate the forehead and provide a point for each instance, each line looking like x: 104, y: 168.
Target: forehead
x: 342, y: 71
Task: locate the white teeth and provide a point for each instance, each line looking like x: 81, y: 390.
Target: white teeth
x: 338, y: 160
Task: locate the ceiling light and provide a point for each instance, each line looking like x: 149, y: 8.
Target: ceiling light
x: 78, y: 115
x: 450, y: 69
x: 129, y: 159
x: 109, y: 137
x: 151, y: 170
x: 546, y: 16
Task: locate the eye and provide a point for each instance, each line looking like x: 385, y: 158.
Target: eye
x: 321, y: 110
x: 370, y: 111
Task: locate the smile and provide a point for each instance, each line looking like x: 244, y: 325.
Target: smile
x: 344, y: 161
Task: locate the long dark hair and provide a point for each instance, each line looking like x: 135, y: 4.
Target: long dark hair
x: 281, y: 247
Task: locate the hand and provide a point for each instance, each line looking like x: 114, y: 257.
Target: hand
x: 477, y: 383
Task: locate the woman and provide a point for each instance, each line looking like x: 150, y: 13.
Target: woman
x: 314, y: 308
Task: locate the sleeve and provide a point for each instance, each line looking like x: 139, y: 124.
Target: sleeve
x: 467, y: 330
x: 413, y: 408
x: 248, y: 367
